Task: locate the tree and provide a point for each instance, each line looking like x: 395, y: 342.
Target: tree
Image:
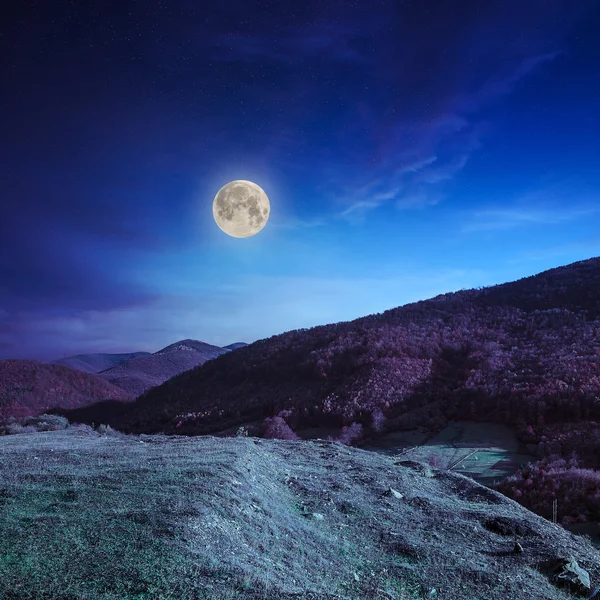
x: 7, y: 398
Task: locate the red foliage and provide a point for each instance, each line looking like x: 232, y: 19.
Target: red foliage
x: 350, y: 434
x: 276, y: 427
x: 577, y: 490
x: 30, y: 388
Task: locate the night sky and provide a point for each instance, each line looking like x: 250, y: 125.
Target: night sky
x: 408, y: 149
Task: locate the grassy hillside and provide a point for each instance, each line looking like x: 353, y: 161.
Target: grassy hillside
x: 87, y: 516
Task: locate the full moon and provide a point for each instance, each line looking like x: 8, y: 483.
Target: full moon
x: 241, y: 208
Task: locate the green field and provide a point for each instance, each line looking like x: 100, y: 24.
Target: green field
x: 487, y: 452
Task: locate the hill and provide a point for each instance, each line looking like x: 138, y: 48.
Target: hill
x: 236, y: 345
x: 140, y: 374
x: 524, y: 353
x: 94, y: 363
x: 29, y: 388
x: 206, y: 518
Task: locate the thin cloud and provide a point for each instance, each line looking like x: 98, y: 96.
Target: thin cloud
x: 356, y: 212
x: 502, y: 86
x: 425, y: 155
x: 497, y: 219
x: 420, y: 198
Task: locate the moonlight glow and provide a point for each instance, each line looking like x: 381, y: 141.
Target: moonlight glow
x: 241, y: 208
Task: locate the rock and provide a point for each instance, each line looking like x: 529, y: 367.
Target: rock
x: 570, y: 574
x: 311, y: 515
x: 518, y: 548
x: 393, y: 492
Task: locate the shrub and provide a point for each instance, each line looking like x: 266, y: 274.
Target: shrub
x: 16, y: 428
x: 535, y: 486
x: 103, y: 429
x: 350, y: 434
x: 242, y: 431
x: 379, y: 420
x: 277, y: 428
x: 81, y: 427
x: 47, y: 422
x: 433, y: 460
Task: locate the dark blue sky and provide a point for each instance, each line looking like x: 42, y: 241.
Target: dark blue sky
x: 408, y: 148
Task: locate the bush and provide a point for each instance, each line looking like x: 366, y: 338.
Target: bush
x: 47, y: 422
x: 16, y: 428
x: 350, y: 434
x: 81, y: 427
x: 379, y: 420
x: 242, y: 431
x: 535, y: 486
x: 103, y: 429
x: 433, y: 460
x: 277, y: 428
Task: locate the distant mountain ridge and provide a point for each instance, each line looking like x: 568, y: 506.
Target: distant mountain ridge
x: 102, y: 361
x: 525, y: 353
x: 94, y: 363
x: 189, y: 345
x: 236, y: 345
x: 29, y: 388
x: 138, y: 375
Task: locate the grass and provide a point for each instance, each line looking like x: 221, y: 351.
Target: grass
x: 500, y: 456
x: 85, y: 516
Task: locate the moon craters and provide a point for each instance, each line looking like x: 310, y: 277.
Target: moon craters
x: 241, y: 208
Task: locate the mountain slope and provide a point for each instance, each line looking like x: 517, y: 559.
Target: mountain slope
x: 140, y: 374
x: 525, y: 353
x: 262, y: 519
x: 29, y: 388
x: 236, y: 345
x: 94, y: 363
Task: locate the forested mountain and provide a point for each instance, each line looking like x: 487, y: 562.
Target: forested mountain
x: 235, y: 345
x: 525, y: 353
x: 140, y: 374
x: 28, y: 388
x: 94, y: 363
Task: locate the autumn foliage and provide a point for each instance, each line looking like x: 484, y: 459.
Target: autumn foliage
x: 576, y: 489
x: 524, y: 353
x: 29, y: 388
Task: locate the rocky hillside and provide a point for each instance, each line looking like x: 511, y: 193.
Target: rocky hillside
x: 140, y: 374
x: 94, y: 363
x: 29, y: 388
x: 206, y: 517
